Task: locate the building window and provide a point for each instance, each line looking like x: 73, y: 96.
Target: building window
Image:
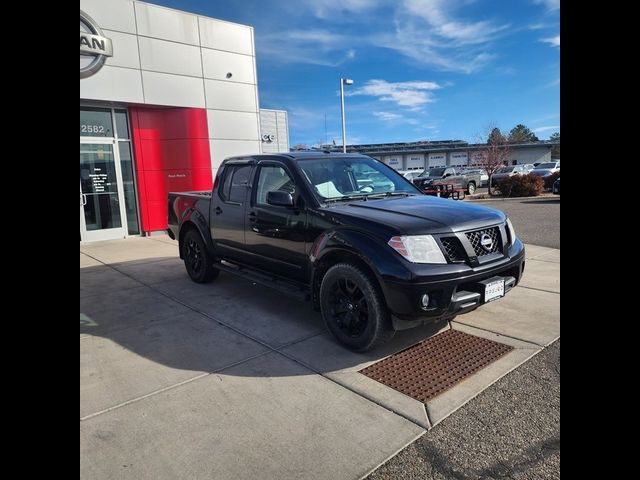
x: 95, y: 122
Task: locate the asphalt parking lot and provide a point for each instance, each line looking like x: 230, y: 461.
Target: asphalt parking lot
x: 511, y: 430
x: 229, y: 380
x: 499, y: 435
x: 536, y: 220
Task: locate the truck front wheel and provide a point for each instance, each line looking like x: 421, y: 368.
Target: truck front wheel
x: 353, y: 308
x: 197, y: 259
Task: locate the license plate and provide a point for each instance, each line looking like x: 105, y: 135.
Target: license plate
x: 493, y: 290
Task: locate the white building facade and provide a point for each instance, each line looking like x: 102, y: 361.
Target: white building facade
x: 165, y: 96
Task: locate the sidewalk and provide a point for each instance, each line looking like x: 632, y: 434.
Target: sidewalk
x: 231, y: 380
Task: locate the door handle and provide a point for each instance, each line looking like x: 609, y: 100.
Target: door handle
x: 83, y: 199
x: 218, y: 210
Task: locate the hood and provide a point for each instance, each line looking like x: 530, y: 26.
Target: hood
x: 415, y: 215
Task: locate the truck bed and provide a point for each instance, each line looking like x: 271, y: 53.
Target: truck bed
x: 180, y: 203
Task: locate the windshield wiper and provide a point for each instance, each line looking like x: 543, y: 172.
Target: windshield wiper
x: 344, y: 198
x: 388, y: 194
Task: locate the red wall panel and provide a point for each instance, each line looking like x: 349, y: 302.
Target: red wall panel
x: 171, y: 153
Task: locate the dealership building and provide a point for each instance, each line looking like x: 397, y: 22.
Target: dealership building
x: 165, y: 96
x: 445, y: 153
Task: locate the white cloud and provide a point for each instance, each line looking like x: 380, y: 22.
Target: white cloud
x: 434, y: 32
x: 330, y: 9
x: 388, y: 116
x: 550, y: 5
x: 393, y: 117
x: 544, y: 129
x: 412, y: 95
x: 316, y: 47
x: 553, y: 41
x: 439, y: 15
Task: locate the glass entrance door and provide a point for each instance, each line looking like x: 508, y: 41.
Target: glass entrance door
x: 101, y: 198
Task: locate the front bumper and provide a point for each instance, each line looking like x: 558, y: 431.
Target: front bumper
x: 451, y: 295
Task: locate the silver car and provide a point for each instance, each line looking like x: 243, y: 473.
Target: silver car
x: 506, y: 172
x: 546, y: 169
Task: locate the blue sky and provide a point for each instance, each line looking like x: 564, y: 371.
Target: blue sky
x: 423, y: 69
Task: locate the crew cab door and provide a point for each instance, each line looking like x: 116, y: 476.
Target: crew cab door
x: 454, y: 177
x: 275, y: 234
x: 227, y: 212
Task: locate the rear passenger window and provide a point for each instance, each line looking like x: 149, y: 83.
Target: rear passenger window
x: 234, y: 186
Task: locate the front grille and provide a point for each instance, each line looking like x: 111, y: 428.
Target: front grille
x: 476, y: 237
x: 453, y: 249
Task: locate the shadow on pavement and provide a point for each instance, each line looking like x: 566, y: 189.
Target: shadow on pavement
x: 155, y: 312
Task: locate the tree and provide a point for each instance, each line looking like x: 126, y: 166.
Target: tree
x: 555, y: 151
x: 495, y: 155
x: 496, y: 136
x: 521, y: 134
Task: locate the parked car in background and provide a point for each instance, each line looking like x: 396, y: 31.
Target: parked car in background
x: 447, y: 175
x: 528, y: 167
x: 410, y: 174
x: 556, y: 187
x: 546, y: 169
x: 506, y: 172
x: 484, y: 177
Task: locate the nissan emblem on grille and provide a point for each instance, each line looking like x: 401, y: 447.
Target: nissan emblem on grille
x: 486, y: 241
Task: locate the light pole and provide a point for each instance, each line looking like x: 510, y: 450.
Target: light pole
x: 343, y: 82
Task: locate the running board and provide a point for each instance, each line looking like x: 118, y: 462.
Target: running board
x: 266, y: 280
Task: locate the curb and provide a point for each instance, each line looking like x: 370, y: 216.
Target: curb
x: 504, y: 199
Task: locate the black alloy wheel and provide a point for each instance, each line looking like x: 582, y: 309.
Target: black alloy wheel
x: 353, y: 307
x: 197, y: 259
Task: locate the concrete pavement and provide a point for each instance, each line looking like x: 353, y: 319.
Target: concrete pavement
x: 231, y: 380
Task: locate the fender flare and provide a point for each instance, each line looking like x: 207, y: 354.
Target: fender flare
x: 380, y: 259
x: 194, y: 217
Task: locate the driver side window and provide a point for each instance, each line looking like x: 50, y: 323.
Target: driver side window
x: 273, y: 178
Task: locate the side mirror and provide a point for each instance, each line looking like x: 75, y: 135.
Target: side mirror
x: 280, y: 198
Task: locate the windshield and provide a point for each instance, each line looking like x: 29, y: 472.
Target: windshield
x: 336, y: 178
x: 505, y: 170
x: 433, y: 172
x: 547, y: 165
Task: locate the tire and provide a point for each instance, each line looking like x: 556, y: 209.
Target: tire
x: 471, y: 188
x: 197, y: 259
x: 353, y: 308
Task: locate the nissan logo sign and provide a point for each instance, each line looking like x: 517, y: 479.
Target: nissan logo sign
x: 94, y: 46
x: 486, y: 241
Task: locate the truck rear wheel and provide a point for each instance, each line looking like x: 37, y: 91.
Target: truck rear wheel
x: 353, y: 308
x: 197, y: 259
x: 471, y: 188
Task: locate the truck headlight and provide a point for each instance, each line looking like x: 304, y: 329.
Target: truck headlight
x: 512, y: 232
x: 418, y: 248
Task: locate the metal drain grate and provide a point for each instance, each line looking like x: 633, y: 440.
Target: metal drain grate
x: 436, y: 364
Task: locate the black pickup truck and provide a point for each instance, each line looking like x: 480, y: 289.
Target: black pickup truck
x: 451, y: 175
x: 345, y: 231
